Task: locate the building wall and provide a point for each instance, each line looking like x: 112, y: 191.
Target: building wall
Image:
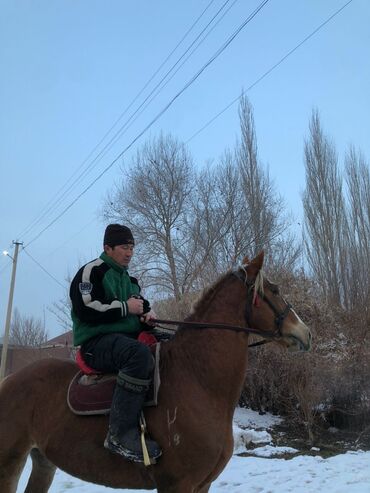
x: 18, y: 357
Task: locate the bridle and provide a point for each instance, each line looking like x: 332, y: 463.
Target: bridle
x: 252, y: 298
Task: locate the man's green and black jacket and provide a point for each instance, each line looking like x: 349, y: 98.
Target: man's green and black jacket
x: 99, y: 293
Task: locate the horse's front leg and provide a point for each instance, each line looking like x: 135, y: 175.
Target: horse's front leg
x: 42, y: 474
x: 12, y: 461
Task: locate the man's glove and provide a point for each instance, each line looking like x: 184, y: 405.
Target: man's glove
x: 146, y: 304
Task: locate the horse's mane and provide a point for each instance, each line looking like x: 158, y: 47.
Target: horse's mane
x: 207, y: 294
x: 200, y: 305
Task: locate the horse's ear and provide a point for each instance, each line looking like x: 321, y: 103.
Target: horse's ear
x: 255, y: 265
x: 245, y: 261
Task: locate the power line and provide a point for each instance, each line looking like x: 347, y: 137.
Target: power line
x: 61, y: 245
x: 268, y: 72
x: 169, y: 104
x: 5, y: 267
x: 161, y: 86
x: 122, y: 130
x: 54, y: 202
x: 43, y: 268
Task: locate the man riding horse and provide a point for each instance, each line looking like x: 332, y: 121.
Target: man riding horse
x: 108, y: 314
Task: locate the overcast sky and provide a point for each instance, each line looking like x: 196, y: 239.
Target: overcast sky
x: 69, y: 70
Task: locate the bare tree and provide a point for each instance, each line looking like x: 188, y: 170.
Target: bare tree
x: 257, y: 187
x: 27, y: 330
x: 326, y: 227
x: 154, y: 199
x: 191, y: 223
x: 258, y: 220
x: 210, y: 224
x: 358, y: 184
x: 179, y: 216
x: 61, y: 309
x: 223, y: 228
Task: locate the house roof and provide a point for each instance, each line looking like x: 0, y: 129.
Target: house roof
x: 65, y: 339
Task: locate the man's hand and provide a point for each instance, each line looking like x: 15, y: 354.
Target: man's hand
x: 135, y: 306
x: 148, y: 318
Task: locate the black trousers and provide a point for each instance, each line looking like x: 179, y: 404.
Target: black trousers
x: 118, y: 353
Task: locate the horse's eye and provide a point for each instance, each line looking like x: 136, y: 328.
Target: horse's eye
x: 275, y: 290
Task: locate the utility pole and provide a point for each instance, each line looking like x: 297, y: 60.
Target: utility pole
x: 9, y: 310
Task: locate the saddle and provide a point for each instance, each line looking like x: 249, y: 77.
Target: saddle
x: 91, y: 392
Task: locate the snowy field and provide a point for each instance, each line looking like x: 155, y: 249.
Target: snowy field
x: 267, y: 473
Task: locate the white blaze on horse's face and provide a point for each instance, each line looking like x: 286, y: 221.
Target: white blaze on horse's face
x: 295, y: 333
x: 289, y: 330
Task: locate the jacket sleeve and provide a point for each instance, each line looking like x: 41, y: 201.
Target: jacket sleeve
x: 146, y: 306
x: 88, y: 297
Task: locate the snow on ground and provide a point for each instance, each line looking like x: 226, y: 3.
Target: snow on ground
x: 345, y: 473
x: 348, y: 473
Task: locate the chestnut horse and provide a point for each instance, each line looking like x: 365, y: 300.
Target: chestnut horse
x: 202, y: 375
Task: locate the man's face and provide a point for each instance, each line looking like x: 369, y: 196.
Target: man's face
x: 121, y: 254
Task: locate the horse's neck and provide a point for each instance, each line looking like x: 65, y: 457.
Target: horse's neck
x: 216, y: 358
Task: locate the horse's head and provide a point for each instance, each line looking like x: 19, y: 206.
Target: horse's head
x: 267, y: 310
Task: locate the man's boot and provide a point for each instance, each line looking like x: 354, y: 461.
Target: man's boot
x: 124, y: 436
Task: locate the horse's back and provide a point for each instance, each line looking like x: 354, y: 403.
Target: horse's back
x: 22, y: 391
x: 39, y: 367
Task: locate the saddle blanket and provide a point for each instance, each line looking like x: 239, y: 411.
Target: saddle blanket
x: 92, y: 394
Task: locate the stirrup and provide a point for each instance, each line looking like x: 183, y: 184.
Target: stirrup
x: 148, y: 461
x: 128, y: 454
x: 113, y: 444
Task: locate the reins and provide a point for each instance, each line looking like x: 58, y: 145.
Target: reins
x: 210, y: 325
x: 252, y: 297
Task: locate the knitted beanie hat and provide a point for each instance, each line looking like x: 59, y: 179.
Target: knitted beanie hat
x: 116, y: 234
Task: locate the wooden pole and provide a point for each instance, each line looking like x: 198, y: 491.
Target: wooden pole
x: 9, y: 313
